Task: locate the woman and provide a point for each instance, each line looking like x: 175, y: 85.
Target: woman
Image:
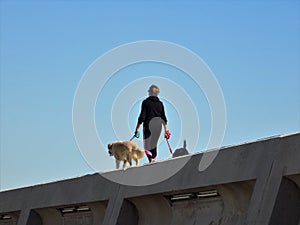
x: 152, y: 117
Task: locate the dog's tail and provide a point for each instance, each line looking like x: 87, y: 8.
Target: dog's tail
x: 140, y: 153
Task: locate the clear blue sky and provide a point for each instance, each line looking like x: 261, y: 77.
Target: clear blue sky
x: 252, y: 47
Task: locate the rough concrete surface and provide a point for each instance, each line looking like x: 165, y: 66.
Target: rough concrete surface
x: 256, y: 183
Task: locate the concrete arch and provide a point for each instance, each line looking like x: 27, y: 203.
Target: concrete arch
x: 287, y: 205
x: 50, y: 216
x: 128, y: 214
x: 153, y: 210
x: 98, y: 209
x: 236, y: 198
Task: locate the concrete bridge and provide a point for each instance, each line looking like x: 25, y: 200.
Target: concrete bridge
x: 256, y: 183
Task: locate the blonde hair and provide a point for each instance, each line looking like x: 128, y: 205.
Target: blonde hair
x: 153, y: 90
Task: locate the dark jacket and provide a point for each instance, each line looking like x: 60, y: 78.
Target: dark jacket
x: 152, y: 107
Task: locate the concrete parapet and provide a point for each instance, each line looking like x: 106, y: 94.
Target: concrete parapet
x: 255, y: 183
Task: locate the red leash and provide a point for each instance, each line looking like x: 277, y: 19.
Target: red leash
x: 169, y: 146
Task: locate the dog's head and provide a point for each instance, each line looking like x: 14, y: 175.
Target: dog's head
x: 109, y: 146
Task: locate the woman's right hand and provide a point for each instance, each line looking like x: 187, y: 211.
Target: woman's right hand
x: 167, y: 134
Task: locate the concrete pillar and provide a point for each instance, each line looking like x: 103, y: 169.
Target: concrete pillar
x: 23, y: 217
x: 264, y: 195
x: 29, y: 217
x: 123, y: 212
x: 113, y: 208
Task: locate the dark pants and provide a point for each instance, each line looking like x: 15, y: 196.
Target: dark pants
x: 151, y: 133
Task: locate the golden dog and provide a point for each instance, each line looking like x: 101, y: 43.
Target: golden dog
x: 125, y: 151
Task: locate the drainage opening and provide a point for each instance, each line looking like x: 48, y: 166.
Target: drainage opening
x: 5, y: 217
x: 74, y: 209
x: 193, y: 195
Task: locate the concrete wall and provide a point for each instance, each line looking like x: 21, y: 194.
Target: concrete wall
x: 254, y: 183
